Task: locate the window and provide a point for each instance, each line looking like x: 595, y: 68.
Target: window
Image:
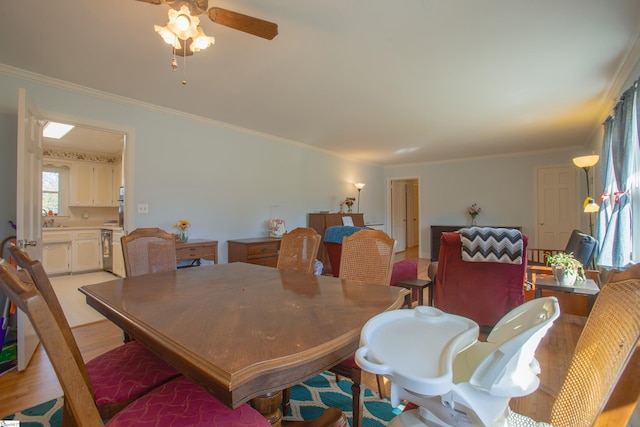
x: 54, y: 194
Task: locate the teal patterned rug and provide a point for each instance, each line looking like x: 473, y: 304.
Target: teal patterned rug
x: 308, y: 401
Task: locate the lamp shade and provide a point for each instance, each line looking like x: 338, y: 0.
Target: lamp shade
x: 590, y: 205
x: 359, y: 185
x: 586, y: 161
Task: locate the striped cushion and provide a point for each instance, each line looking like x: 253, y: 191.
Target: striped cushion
x: 126, y: 372
x: 488, y: 244
x: 181, y: 402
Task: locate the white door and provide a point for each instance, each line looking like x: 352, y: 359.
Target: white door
x: 399, y: 214
x: 558, y: 206
x: 28, y: 207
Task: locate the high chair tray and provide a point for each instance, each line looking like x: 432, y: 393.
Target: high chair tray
x: 415, y: 348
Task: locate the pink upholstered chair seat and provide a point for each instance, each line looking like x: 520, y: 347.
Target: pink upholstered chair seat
x: 181, y: 402
x: 126, y: 373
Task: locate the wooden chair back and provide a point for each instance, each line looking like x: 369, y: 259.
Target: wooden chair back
x: 298, y: 250
x: 602, y: 353
x: 367, y: 256
x: 19, y: 287
x: 41, y: 281
x: 148, y: 250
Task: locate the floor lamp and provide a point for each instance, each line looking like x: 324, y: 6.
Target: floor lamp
x: 359, y: 186
x: 590, y: 205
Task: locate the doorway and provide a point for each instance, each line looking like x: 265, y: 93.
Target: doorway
x: 404, y: 196
x: 91, y: 146
x: 557, y: 206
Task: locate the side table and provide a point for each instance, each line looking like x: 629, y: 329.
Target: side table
x: 587, y: 287
x: 418, y: 284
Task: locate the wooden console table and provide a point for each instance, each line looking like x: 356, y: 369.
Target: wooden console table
x: 196, y: 249
x: 259, y: 250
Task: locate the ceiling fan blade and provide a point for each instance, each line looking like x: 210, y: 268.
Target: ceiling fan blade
x: 257, y: 27
x: 152, y: 1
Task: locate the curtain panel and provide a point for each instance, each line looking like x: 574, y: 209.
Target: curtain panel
x: 619, y: 175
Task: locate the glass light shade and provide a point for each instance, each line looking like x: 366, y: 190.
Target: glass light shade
x: 182, y: 24
x: 167, y: 36
x: 586, y: 161
x: 590, y: 205
x: 359, y: 185
x: 201, y: 41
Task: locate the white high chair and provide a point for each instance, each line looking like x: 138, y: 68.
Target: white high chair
x: 433, y: 359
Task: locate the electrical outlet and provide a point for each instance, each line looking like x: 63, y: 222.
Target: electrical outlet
x: 143, y: 208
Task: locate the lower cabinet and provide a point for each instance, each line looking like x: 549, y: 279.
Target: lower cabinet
x: 85, y: 254
x: 56, y: 257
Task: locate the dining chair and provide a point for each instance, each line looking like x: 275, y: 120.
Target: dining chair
x: 179, y: 401
x: 298, y: 250
x: 117, y: 377
x: 148, y: 250
x: 367, y: 256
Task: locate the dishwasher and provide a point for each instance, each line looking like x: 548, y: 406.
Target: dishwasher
x: 107, y: 250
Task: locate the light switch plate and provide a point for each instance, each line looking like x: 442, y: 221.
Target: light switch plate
x: 143, y: 208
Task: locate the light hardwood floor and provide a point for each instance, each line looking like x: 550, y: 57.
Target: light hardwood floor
x: 38, y: 382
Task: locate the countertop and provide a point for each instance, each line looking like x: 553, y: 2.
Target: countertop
x: 83, y: 227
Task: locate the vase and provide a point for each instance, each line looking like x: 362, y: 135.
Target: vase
x: 349, y: 209
x: 473, y: 220
x: 563, y: 276
x: 183, y: 235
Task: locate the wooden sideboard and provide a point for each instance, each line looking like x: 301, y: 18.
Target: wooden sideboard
x: 260, y: 250
x: 437, y: 230
x: 321, y: 221
x: 196, y: 249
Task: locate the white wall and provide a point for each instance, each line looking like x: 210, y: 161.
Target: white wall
x: 504, y: 187
x: 226, y: 181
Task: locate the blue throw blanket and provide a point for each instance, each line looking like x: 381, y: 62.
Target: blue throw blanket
x: 491, y: 245
x: 337, y: 232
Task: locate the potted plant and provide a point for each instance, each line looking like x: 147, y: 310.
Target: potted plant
x: 566, y: 269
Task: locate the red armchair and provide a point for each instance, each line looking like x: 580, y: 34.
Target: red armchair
x: 481, y: 291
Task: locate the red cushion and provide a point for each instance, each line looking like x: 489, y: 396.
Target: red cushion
x: 481, y: 291
x: 181, y: 402
x: 126, y: 372
x: 405, y: 269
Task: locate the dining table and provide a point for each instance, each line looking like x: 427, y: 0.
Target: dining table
x: 243, y: 331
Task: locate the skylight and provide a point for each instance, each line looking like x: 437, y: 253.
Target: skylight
x: 56, y: 130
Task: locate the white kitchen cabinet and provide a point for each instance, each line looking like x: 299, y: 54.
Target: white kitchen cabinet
x: 56, y: 257
x: 92, y: 184
x: 56, y: 251
x: 86, y: 254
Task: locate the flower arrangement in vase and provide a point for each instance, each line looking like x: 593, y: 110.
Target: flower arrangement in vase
x: 349, y: 202
x: 474, y: 211
x: 182, y: 227
x: 566, y: 269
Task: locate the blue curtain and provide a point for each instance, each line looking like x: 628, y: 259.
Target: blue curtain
x: 605, y: 248
x: 620, y: 154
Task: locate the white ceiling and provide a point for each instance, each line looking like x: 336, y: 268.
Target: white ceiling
x: 381, y: 81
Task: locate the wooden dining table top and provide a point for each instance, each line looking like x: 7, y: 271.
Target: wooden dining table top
x: 242, y: 330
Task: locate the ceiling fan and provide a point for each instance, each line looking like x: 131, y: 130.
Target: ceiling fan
x: 248, y: 24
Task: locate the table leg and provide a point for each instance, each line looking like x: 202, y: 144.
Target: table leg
x: 269, y: 406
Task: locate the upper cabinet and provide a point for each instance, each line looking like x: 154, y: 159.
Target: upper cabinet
x: 94, y: 184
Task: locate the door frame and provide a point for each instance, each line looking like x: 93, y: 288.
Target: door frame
x: 390, y: 210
